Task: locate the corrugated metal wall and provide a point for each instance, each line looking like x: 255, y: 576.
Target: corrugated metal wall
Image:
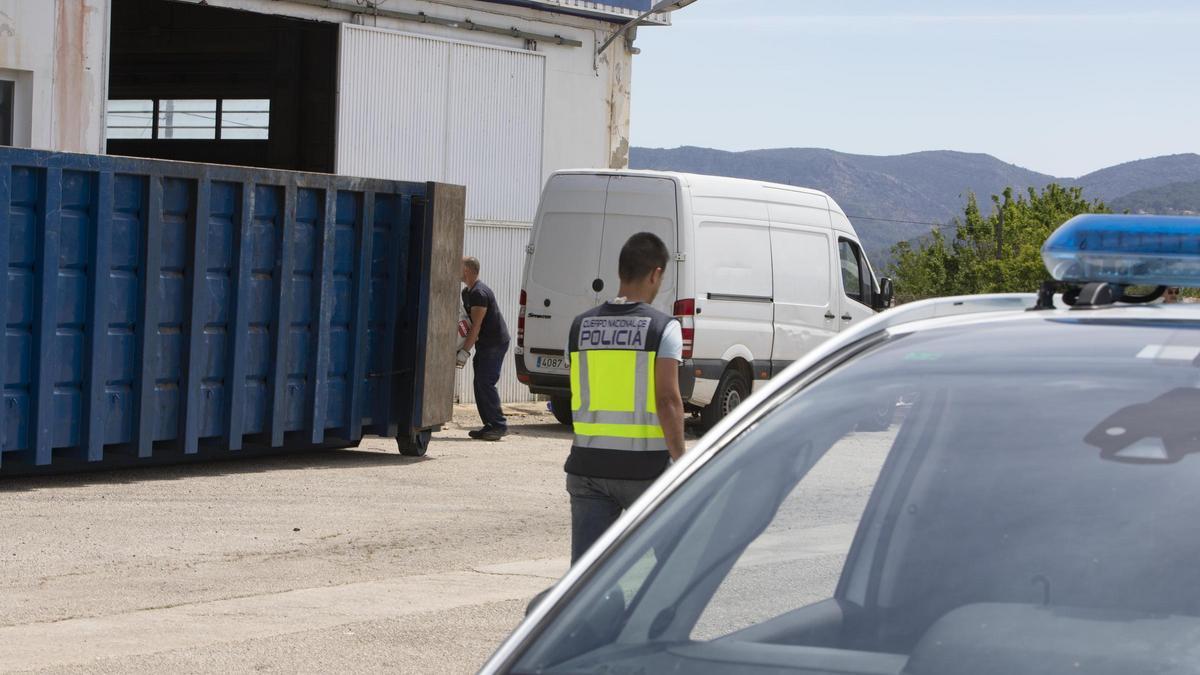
x: 501, y: 253
x: 494, y: 139
x: 477, y: 120
x: 391, y: 107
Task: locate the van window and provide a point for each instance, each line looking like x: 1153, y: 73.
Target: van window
x: 856, y: 279
x: 734, y: 260
x: 638, y: 204
x: 801, y: 267
x: 571, y: 224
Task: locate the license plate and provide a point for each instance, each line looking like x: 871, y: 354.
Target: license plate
x: 550, y: 362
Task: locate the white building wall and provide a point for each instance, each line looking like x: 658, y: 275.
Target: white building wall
x: 427, y: 102
x: 412, y: 107
x: 586, y: 105
x: 54, y: 51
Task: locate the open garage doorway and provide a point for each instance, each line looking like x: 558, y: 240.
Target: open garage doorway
x: 204, y: 84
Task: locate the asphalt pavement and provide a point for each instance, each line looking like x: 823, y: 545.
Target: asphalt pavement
x: 345, y: 561
x: 354, y: 560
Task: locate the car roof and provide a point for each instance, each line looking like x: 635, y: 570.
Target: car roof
x: 958, y: 311
x: 968, y: 310
x: 703, y: 184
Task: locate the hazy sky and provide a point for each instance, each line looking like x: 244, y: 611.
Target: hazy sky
x: 1059, y: 86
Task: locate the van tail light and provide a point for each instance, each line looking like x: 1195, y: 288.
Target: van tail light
x: 685, y: 311
x: 521, y: 321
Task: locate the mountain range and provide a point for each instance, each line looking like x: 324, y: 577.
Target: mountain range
x: 901, y: 197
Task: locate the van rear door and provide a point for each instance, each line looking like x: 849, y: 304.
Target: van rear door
x: 565, y: 260
x: 638, y: 204
x: 584, y: 221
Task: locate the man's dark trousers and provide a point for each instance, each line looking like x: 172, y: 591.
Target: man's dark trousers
x: 488, y: 362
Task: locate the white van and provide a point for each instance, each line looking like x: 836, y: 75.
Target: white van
x: 762, y: 273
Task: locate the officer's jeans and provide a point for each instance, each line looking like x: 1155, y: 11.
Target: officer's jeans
x: 488, y: 361
x: 596, y: 503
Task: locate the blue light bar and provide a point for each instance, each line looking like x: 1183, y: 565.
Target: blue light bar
x: 1124, y: 249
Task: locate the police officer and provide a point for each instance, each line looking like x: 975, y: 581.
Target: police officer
x: 625, y: 401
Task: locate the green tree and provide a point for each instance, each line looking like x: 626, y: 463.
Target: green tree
x: 996, y: 253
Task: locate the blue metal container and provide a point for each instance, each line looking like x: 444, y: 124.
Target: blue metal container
x: 166, y: 310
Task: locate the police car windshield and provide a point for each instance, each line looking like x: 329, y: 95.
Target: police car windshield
x: 1020, y: 493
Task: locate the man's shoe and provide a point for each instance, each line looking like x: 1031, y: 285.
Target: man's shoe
x: 493, y: 434
x: 478, y: 433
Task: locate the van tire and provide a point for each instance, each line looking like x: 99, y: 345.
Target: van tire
x: 561, y: 407
x: 732, y: 390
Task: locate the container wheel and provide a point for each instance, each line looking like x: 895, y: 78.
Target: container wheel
x: 415, y: 444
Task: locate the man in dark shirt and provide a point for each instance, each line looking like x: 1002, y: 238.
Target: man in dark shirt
x: 489, y: 337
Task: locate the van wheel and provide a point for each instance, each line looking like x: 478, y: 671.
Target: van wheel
x: 731, y: 391
x: 561, y: 407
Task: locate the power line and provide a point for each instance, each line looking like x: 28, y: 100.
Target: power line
x: 895, y: 220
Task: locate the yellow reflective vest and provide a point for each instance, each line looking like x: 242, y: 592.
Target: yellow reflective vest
x: 617, y: 435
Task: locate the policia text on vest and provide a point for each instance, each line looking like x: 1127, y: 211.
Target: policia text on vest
x: 614, y: 332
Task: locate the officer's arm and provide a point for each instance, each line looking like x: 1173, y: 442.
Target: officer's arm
x: 477, y: 314
x: 670, y: 404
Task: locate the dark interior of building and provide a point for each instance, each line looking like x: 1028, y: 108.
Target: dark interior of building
x: 204, y: 84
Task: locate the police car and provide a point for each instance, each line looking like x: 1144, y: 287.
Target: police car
x: 1032, y: 507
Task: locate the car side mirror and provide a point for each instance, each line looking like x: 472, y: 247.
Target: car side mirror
x: 883, y: 299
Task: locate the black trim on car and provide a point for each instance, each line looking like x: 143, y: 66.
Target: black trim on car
x: 687, y: 379
x: 708, y: 369
x: 541, y: 383
x: 731, y: 297
x: 762, y: 370
x: 713, y: 369
x: 560, y: 385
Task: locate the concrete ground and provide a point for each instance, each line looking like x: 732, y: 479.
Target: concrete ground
x: 356, y: 560
x: 348, y: 561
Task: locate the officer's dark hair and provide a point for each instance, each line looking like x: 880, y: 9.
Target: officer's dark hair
x: 641, y: 255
